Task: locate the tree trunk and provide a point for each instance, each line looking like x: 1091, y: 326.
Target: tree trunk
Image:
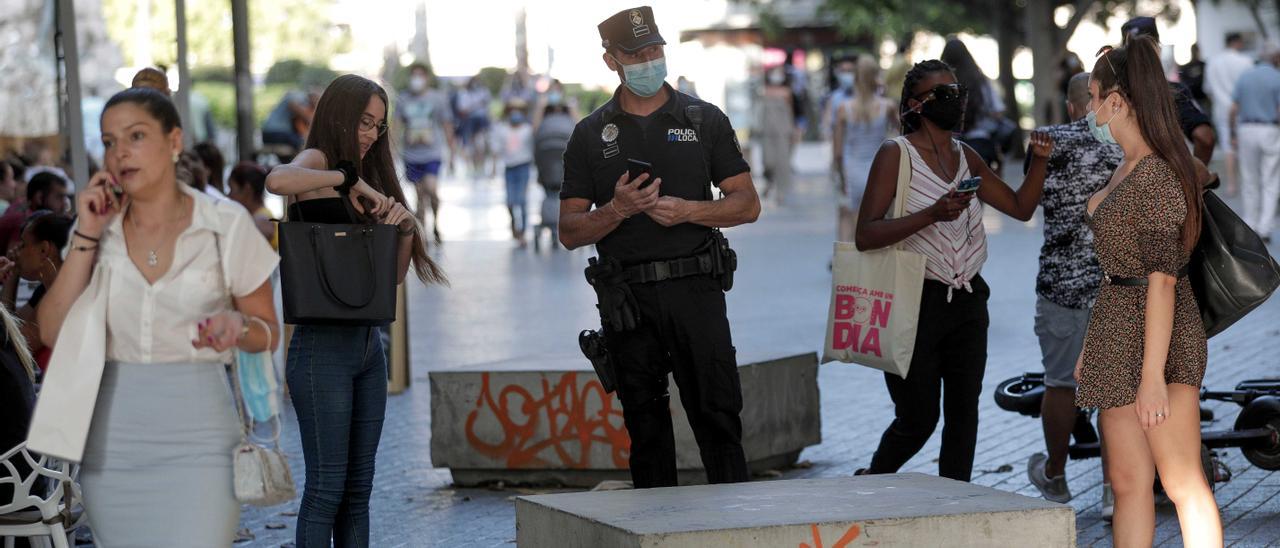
x: 1045, y: 49
x: 1007, y: 44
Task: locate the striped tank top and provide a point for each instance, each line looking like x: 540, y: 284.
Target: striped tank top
x: 955, y: 250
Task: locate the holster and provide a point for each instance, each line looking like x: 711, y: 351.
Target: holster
x: 596, y: 350
x: 724, y: 260
x: 617, y: 304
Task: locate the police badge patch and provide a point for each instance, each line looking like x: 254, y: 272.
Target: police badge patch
x: 610, y: 133
x: 638, y: 28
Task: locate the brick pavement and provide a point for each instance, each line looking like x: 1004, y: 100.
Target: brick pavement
x: 508, y: 303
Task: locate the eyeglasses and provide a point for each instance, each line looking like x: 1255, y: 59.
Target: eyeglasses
x: 367, y: 123
x: 944, y: 92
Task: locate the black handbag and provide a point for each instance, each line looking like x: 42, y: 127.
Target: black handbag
x: 338, y: 274
x: 1231, y: 270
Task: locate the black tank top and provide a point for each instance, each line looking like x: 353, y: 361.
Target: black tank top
x: 320, y: 210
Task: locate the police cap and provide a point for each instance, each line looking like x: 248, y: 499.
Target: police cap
x: 630, y: 30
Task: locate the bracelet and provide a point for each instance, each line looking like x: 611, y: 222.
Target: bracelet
x: 349, y: 177
x: 83, y: 236
x: 250, y: 320
x: 616, y: 212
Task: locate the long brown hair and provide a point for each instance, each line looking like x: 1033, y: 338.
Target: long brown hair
x: 334, y: 132
x: 1135, y: 71
x: 866, y: 99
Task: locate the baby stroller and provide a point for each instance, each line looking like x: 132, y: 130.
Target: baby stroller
x: 549, y: 143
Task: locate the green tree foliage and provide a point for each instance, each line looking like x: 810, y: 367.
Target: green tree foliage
x: 278, y: 29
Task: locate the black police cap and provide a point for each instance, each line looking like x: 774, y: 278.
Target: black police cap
x: 1140, y: 26
x: 630, y: 30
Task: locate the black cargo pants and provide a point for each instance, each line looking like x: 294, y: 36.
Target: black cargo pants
x: 683, y: 331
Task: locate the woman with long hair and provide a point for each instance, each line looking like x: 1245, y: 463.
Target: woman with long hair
x: 37, y: 258
x: 183, y: 280
x: 337, y: 374
x: 1145, y: 350
x: 945, y: 225
x: 862, y: 124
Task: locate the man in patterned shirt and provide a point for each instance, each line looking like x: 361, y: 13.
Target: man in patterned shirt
x: 1068, y: 280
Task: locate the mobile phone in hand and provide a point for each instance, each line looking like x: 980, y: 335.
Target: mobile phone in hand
x: 968, y: 185
x: 636, y: 168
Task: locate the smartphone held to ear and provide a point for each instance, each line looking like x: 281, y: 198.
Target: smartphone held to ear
x: 636, y: 168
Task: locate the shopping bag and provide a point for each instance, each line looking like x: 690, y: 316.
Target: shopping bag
x: 875, y: 297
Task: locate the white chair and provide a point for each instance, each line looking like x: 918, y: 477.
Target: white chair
x: 56, y: 515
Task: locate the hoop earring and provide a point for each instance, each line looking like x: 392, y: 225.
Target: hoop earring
x: 51, y: 265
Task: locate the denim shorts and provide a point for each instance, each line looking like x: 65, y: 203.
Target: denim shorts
x: 1061, y: 331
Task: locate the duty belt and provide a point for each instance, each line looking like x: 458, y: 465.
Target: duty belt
x: 1114, y: 280
x: 658, y: 271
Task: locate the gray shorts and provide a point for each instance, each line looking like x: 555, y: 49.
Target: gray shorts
x: 1061, y: 331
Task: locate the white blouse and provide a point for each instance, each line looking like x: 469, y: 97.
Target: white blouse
x: 155, y: 323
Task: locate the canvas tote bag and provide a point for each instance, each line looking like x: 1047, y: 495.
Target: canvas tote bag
x: 875, y: 297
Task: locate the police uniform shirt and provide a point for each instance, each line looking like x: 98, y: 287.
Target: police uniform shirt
x: 685, y: 158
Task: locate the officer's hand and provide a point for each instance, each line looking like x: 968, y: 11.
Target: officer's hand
x: 629, y: 198
x: 669, y: 211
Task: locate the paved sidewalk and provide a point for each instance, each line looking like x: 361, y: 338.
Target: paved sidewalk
x: 509, y: 303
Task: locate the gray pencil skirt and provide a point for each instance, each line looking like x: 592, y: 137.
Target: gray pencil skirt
x: 157, y: 466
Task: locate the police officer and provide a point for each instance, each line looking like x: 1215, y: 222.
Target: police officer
x: 658, y: 235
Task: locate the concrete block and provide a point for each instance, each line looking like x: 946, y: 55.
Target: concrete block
x: 548, y: 421
x: 886, y: 510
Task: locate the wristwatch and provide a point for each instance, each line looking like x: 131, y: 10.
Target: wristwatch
x: 349, y: 176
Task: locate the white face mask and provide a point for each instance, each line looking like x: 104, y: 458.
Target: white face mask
x: 777, y: 78
x: 418, y: 83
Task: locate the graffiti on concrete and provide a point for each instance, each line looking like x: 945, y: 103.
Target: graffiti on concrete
x: 556, y: 428
x: 848, y: 537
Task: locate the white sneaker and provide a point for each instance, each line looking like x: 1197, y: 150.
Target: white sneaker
x: 1108, y: 502
x: 1053, y: 489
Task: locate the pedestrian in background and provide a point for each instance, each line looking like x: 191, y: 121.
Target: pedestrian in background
x: 984, y: 110
x: 1222, y: 72
x: 1067, y: 283
x: 1255, y: 133
x: 337, y: 374
x: 425, y: 129
x: 247, y: 186
x: 36, y: 258
x: 946, y: 227
x: 1144, y: 351
x: 551, y: 139
x: 778, y: 133
x: 513, y: 139
x: 164, y: 426
x: 862, y: 124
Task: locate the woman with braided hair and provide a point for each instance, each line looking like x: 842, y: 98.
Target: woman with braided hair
x: 1145, y: 351
x: 943, y: 223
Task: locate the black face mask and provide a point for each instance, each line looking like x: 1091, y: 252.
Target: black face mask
x: 946, y: 108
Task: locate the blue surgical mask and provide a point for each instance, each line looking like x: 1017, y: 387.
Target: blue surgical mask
x: 845, y: 79
x: 517, y: 118
x: 645, y: 79
x: 554, y: 97
x: 258, y: 384
x: 1100, y: 132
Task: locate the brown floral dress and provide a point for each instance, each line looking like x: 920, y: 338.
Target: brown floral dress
x: 1137, y: 230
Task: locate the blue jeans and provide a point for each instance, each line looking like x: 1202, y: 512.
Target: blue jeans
x: 338, y: 380
x: 517, y: 196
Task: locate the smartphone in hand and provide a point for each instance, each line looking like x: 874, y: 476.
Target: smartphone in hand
x: 636, y: 168
x: 968, y: 185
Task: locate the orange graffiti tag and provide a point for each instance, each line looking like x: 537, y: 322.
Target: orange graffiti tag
x: 848, y: 537
x: 583, y: 416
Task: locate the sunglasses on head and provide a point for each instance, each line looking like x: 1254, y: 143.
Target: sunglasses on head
x: 945, y: 92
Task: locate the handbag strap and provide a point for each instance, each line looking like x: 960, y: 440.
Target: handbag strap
x: 366, y: 234
x: 242, y: 409
x: 904, y: 178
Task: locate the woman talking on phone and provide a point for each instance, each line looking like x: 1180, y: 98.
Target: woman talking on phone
x: 337, y: 374
x: 161, y: 258
x: 1145, y: 351
x: 943, y: 223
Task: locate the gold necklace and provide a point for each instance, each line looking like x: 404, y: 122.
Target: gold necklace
x: 153, y: 258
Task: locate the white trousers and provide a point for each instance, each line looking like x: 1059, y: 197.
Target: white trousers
x: 1259, y: 174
